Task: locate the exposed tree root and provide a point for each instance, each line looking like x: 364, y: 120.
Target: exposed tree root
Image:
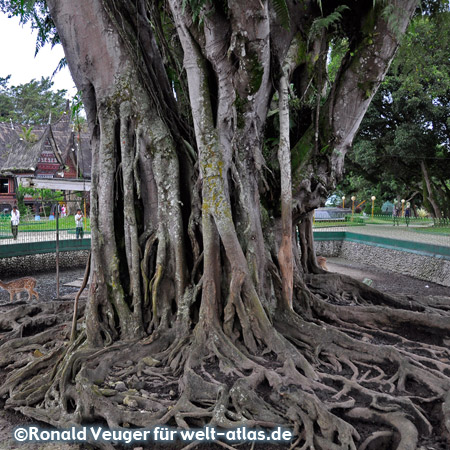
x: 182, y: 326
x: 372, y: 385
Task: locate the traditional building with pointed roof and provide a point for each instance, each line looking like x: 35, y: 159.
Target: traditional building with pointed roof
x: 51, y: 151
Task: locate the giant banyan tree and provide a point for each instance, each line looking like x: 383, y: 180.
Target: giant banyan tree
x: 217, y: 126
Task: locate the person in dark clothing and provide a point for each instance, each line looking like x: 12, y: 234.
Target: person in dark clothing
x: 396, y: 213
x: 408, y: 213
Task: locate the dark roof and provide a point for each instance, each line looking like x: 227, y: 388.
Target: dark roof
x: 61, y: 134
x: 8, y: 134
x: 24, y: 155
x: 85, y: 156
x: 18, y: 155
x: 62, y: 124
x: 79, y: 147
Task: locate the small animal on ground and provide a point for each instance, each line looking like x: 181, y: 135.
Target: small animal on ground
x: 322, y: 261
x: 17, y: 286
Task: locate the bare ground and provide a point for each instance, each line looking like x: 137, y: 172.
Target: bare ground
x: 46, y: 285
x: 384, y: 281
x: 388, y: 282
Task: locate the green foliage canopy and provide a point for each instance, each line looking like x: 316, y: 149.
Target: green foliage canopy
x: 407, y: 125
x: 30, y: 103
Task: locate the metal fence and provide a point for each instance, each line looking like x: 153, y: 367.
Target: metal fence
x: 412, y: 229
x: 48, y: 229
x: 385, y: 219
x: 49, y: 222
x: 42, y: 230
x: 54, y: 232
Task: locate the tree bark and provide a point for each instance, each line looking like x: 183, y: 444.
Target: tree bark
x: 431, y: 199
x: 195, y: 274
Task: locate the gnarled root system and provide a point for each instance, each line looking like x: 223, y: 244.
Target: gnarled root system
x: 366, y: 371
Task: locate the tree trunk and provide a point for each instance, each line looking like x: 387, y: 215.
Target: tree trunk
x: 195, y: 274
x: 437, y: 211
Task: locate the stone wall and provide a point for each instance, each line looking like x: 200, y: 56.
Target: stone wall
x: 44, y: 262
x: 429, y: 268
x: 434, y: 269
x: 328, y: 248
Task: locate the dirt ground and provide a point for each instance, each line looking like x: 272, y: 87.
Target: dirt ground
x: 384, y: 281
x: 46, y: 286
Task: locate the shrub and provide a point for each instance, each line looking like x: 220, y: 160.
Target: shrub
x: 422, y: 213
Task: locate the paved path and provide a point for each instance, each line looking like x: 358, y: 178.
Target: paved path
x: 401, y: 233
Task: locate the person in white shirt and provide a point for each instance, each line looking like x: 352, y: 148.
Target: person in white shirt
x: 15, y: 219
x: 79, y: 224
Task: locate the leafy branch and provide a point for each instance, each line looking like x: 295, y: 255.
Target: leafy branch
x: 282, y: 12
x: 324, y: 23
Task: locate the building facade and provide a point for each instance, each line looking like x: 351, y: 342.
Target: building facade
x: 50, y: 151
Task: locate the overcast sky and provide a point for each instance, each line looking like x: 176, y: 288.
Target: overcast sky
x: 17, y: 47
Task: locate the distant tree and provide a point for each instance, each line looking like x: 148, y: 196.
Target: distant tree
x: 6, y: 103
x: 30, y: 103
x: 403, y: 146
x: 43, y: 196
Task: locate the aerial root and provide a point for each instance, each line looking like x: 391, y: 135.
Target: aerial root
x: 388, y: 374
x: 235, y: 305
x: 320, y: 377
x: 378, y: 439
x: 375, y: 310
x: 225, y: 387
x: 30, y: 379
x: 409, y: 434
x: 308, y: 409
x: 30, y: 359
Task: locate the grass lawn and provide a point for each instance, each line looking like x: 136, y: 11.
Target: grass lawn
x: 65, y: 223
x: 383, y: 220
x: 340, y: 223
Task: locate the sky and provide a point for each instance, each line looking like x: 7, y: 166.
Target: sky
x: 17, y: 47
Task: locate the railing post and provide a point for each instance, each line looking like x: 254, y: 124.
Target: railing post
x: 57, y: 252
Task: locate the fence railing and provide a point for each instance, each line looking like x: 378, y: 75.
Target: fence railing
x: 30, y: 230
x: 438, y: 247
x: 412, y: 229
x: 48, y: 231
x: 361, y: 220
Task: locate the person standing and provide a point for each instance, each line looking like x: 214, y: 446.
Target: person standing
x: 396, y: 213
x: 79, y: 224
x: 15, y: 219
x: 408, y: 213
